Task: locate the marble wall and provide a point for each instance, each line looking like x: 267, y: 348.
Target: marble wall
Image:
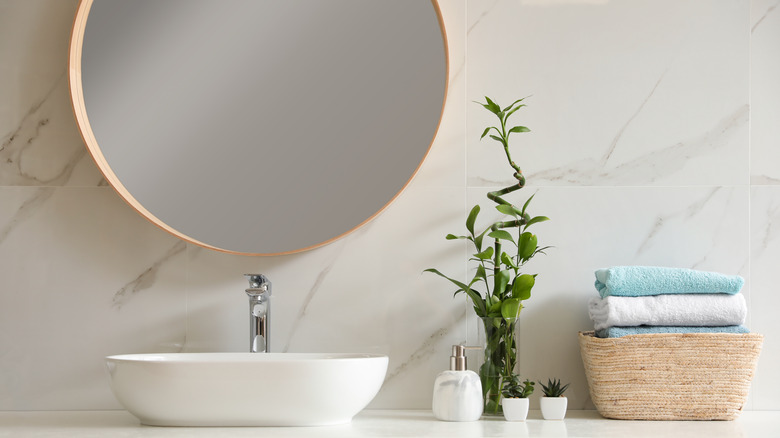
x: 654, y: 141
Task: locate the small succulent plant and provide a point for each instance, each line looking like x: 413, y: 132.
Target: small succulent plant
x: 514, y: 389
x: 553, y: 388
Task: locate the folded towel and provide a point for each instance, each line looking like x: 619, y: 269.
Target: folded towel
x: 637, y: 281
x: 616, y: 332
x: 668, y: 310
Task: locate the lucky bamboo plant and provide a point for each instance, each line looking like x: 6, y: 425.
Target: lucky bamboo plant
x: 499, y: 267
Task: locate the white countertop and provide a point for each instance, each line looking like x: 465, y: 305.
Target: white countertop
x: 388, y: 423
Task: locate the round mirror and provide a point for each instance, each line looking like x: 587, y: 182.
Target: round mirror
x: 256, y: 126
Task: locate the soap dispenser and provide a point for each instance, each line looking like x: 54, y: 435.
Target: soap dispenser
x: 457, y: 392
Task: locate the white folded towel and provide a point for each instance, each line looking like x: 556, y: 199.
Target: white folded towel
x: 668, y: 310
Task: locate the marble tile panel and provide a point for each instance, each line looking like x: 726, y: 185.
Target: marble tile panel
x: 40, y: 144
x: 765, y: 258
x: 621, y: 93
x: 764, y: 92
x: 591, y: 228
x: 83, y: 276
x: 363, y: 293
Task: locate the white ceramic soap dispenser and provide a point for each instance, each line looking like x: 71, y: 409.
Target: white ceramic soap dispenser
x: 457, y: 393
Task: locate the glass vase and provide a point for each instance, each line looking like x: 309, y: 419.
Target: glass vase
x: 500, y: 358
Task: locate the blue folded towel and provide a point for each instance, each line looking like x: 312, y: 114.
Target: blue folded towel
x: 616, y: 332
x: 638, y: 281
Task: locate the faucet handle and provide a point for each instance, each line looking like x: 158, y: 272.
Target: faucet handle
x: 259, y: 282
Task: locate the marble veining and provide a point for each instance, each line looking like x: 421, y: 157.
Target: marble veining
x: 485, y: 12
x: 650, y: 166
x: 764, y: 180
x: 765, y: 92
x: 653, y: 165
x: 426, y: 349
x: 665, y: 219
x: 614, y: 143
x: 712, y: 199
x: 17, y: 154
x: 603, y: 106
x: 461, y: 68
x: 32, y: 112
x: 28, y: 208
x: 764, y: 300
x: 146, y: 279
x: 768, y: 233
x: 769, y: 10
x: 318, y: 282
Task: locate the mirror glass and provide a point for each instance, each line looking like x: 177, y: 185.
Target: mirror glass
x: 258, y: 126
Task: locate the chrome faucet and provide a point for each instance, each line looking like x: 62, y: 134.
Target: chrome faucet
x: 259, y: 312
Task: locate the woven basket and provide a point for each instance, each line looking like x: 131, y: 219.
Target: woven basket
x: 696, y: 376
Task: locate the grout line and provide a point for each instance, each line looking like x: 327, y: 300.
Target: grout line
x: 465, y: 95
x: 187, y: 293
x: 751, y: 404
x: 586, y: 187
x: 465, y: 149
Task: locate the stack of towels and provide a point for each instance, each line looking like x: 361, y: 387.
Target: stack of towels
x: 651, y: 299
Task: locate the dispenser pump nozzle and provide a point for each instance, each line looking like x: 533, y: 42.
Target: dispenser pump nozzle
x: 458, y: 358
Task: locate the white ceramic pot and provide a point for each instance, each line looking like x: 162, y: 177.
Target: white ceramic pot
x: 553, y: 408
x: 515, y: 409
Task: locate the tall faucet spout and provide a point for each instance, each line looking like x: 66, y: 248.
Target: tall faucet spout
x: 259, y: 293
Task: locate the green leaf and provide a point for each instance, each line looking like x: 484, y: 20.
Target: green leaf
x: 521, y: 289
x: 486, y: 254
x: 479, y: 303
x: 455, y: 282
x: 492, y: 106
x: 471, y: 219
x: 513, y: 104
x: 505, y: 259
x: 507, y: 209
x: 510, y: 308
x: 498, y: 139
x: 480, y: 275
x: 454, y: 237
x: 485, y: 132
x: 526, y: 204
x: 501, y: 281
x: 536, y: 219
x: 526, y: 245
x: 513, y: 111
x: 519, y: 129
x: 501, y: 234
x: 478, y: 239
x: 476, y: 298
x: 541, y: 250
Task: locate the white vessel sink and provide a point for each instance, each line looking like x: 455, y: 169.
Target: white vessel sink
x: 245, y: 389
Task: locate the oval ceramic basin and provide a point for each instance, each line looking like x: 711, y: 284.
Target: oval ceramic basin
x: 245, y: 389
